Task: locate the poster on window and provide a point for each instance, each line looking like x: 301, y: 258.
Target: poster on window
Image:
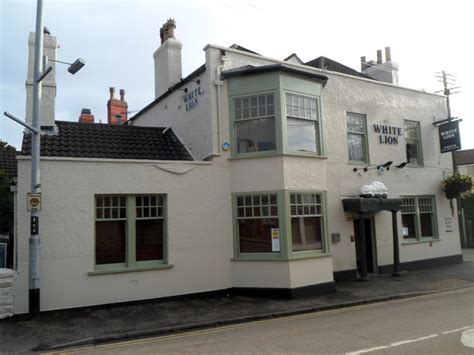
x: 275, y: 239
x: 449, y: 137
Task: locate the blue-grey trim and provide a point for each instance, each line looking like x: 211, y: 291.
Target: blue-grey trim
x: 424, y: 263
x: 251, y: 70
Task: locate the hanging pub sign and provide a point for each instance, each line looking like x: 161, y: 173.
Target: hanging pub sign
x: 449, y: 137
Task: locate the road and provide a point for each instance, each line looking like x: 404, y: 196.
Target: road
x: 440, y: 323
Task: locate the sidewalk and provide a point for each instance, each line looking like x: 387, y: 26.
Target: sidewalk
x: 87, y: 326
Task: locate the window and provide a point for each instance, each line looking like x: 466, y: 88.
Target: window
x: 257, y: 215
x: 129, y: 230
x: 418, y: 218
x: 413, y: 143
x: 302, y: 123
x: 306, y: 221
x: 255, y: 123
x: 356, y: 137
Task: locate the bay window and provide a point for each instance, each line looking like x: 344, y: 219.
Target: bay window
x: 302, y: 123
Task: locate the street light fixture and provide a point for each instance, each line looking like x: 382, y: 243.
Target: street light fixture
x: 34, y: 128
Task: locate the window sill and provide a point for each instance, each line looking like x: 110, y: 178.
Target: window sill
x: 305, y: 155
x: 421, y: 241
x: 130, y: 269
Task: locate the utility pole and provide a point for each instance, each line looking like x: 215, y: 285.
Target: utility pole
x: 447, y: 80
x: 35, y: 130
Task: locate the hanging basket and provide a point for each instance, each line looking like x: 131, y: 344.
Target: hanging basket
x: 455, y: 185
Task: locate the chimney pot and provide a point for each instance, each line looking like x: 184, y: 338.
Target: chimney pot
x: 388, y: 55
x: 112, y: 92
x: 86, y: 116
x: 122, y: 95
x: 363, y: 63
x: 379, y: 56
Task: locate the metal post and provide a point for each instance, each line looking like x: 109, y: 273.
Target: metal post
x: 396, y: 249
x: 364, y: 276
x: 34, y: 245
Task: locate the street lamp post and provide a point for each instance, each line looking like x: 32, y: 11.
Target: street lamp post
x: 35, y: 129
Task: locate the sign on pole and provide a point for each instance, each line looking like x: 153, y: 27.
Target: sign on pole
x: 33, y: 202
x: 449, y: 137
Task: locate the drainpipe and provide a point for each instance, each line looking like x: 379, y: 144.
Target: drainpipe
x: 219, y: 83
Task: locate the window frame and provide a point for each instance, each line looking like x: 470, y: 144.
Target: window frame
x: 365, y: 138
x: 317, y: 121
x: 284, y: 221
x: 234, y: 122
x: 131, y: 264
x: 418, y: 232
x: 418, y: 141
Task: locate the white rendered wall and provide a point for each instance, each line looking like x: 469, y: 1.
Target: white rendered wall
x: 193, y: 127
x: 199, y: 231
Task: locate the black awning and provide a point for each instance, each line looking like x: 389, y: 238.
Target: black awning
x: 371, y: 204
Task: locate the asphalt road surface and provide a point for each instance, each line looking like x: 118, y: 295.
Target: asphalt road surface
x: 440, y: 323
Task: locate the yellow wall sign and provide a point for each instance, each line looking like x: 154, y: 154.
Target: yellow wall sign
x: 33, y: 202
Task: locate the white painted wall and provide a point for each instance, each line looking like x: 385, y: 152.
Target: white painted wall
x: 199, y: 230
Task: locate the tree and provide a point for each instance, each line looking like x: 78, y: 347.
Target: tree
x: 5, y: 147
x: 6, y: 204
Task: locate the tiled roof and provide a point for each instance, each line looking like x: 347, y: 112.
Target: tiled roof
x: 243, y: 49
x: 95, y: 140
x: 464, y: 157
x: 8, y: 163
x: 332, y: 65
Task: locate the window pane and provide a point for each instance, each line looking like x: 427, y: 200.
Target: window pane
x: 408, y: 222
x: 412, y: 152
x: 302, y: 135
x: 255, y: 235
x: 256, y: 135
x: 356, y: 147
x: 109, y: 242
x: 426, y: 220
x: 306, y: 233
x: 149, y: 239
x: 355, y: 124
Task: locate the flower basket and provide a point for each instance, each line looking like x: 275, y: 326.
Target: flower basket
x: 455, y: 185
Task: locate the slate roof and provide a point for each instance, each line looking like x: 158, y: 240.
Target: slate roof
x: 331, y: 65
x: 8, y: 163
x: 95, y: 140
x: 464, y: 157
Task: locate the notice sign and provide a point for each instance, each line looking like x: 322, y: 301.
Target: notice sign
x: 33, y: 202
x: 275, y: 239
x: 449, y: 137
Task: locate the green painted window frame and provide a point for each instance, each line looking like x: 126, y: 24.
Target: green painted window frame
x: 365, y: 138
x: 284, y: 221
x: 418, y: 141
x: 318, y: 123
x: 131, y: 264
x: 263, y: 84
x: 276, y: 117
x: 417, y: 213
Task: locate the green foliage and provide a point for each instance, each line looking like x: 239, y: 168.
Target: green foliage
x: 6, y: 204
x: 456, y: 184
x: 5, y: 147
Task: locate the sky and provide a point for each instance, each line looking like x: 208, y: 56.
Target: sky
x: 117, y: 40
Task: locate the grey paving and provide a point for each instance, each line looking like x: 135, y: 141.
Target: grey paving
x: 58, y: 329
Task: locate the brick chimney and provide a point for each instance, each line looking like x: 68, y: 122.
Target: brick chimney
x: 117, y: 109
x: 167, y: 59
x: 86, y: 116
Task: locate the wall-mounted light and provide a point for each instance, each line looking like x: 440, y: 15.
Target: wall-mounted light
x: 402, y: 165
x: 185, y: 90
x: 198, y: 81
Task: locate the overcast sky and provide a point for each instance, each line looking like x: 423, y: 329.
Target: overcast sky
x: 117, y: 40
